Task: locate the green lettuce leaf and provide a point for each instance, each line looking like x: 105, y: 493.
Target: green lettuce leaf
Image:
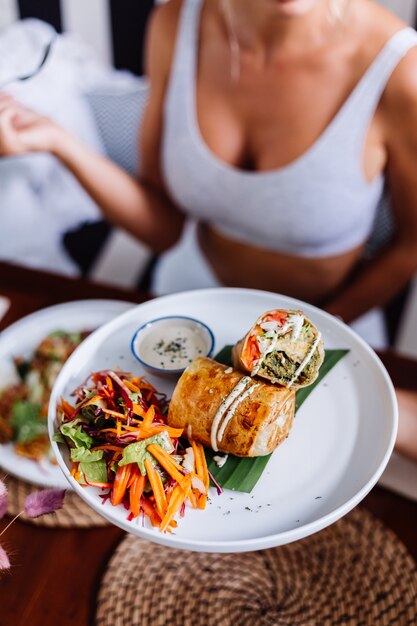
x: 82, y: 455
x: 76, y: 434
x: 137, y: 452
x: 26, y: 421
x: 94, y: 471
x: 92, y: 466
x: 242, y: 474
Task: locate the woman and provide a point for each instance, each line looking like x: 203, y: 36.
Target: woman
x: 273, y: 123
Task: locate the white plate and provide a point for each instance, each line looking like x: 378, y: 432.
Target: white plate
x: 20, y: 339
x: 341, y: 440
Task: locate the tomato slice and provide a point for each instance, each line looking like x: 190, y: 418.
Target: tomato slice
x: 279, y: 316
x: 250, y: 352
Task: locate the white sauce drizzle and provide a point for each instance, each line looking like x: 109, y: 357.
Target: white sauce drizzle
x: 220, y: 460
x: 305, y: 362
x: 224, y: 406
x: 232, y: 410
x: 296, y: 321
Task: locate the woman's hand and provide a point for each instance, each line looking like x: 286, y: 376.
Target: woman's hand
x: 22, y: 130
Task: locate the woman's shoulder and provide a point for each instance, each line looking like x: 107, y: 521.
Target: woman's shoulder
x: 379, y: 27
x: 165, y: 16
x: 161, y: 34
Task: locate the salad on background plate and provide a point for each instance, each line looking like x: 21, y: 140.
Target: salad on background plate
x: 24, y: 403
x: 32, y: 353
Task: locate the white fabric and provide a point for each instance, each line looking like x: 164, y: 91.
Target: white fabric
x: 318, y: 205
x: 39, y: 198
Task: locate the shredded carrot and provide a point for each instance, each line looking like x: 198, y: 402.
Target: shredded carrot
x: 138, y: 410
x: 201, y: 463
x: 131, y: 386
x: 93, y: 400
x: 136, y: 491
x: 154, y: 429
x: 202, y: 500
x: 111, y: 430
x: 178, y: 497
x: 193, y: 498
x: 149, y: 415
x: 66, y: 407
x: 142, y: 383
x: 115, y: 414
x: 120, y: 484
x: 157, y: 488
x: 169, y: 464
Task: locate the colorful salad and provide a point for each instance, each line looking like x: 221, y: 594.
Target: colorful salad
x: 119, y: 441
x: 24, y: 404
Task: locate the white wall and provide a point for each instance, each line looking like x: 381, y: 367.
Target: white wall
x: 8, y: 12
x: 91, y: 21
x: 404, y: 8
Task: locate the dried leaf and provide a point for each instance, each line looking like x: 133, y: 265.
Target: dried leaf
x: 4, y: 559
x: 43, y: 502
x: 3, y: 499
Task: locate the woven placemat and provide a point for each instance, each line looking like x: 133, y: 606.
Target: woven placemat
x: 355, y: 573
x: 74, y: 514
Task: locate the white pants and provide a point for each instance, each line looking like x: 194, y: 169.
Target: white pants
x: 184, y: 268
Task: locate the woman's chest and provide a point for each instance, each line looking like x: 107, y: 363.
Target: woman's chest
x: 269, y: 118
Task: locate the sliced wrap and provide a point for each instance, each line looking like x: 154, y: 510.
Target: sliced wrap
x: 229, y: 411
x: 282, y: 346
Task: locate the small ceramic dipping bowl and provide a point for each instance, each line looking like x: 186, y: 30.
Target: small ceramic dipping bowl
x: 167, y: 345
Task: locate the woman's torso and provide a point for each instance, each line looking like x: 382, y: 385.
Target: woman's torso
x: 282, y: 168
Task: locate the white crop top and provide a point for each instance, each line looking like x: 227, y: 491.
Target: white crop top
x: 319, y: 205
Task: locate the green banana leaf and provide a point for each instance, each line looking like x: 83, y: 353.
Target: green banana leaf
x: 242, y: 474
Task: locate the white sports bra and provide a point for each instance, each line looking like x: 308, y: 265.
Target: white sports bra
x: 319, y: 205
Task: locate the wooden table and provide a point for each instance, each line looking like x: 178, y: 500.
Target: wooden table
x: 56, y: 573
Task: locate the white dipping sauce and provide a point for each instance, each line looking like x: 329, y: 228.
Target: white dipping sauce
x: 171, y: 347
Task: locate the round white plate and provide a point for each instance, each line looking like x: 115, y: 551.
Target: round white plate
x: 341, y: 440
x: 21, y: 339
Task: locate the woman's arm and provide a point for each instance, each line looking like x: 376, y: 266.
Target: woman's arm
x: 406, y: 443
x: 379, y: 280
x: 142, y: 208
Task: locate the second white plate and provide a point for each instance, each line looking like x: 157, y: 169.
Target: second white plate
x: 21, y: 339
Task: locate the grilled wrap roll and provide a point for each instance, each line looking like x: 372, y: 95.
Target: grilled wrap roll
x: 231, y: 412
x: 282, y: 346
